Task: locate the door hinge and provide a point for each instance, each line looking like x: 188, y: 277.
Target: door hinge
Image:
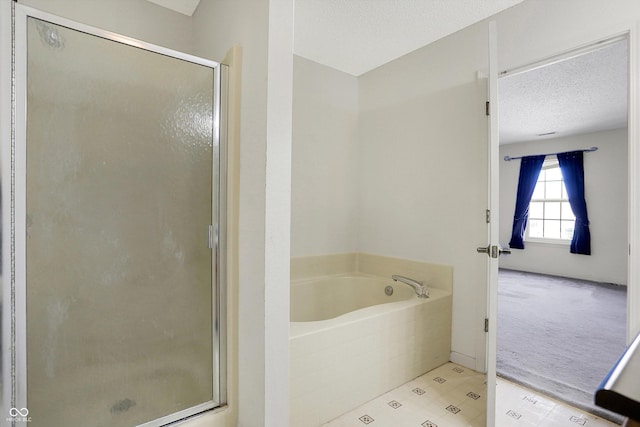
x: 487, y: 108
x: 210, y: 237
x: 488, y: 216
x: 486, y: 325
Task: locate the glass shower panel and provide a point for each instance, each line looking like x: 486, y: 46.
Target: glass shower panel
x: 119, y: 202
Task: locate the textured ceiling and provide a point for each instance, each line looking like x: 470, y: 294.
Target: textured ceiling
x: 583, y: 94
x: 356, y: 36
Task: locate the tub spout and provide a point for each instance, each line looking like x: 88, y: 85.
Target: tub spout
x: 419, y: 287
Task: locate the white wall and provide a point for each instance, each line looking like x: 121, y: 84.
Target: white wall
x: 536, y: 29
x: 423, y: 171
x: 606, y: 196
x: 264, y: 30
x: 325, y: 160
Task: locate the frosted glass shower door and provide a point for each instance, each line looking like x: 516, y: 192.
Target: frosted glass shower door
x: 120, y: 195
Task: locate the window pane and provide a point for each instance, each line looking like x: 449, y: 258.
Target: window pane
x: 536, y: 210
x: 554, y: 190
x: 567, y: 229
x: 554, y: 174
x: 552, y: 229
x: 564, y: 192
x: 538, y: 192
x: 550, y: 215
x: 552, y: 210
x: 567, y: 213
x: 535, y: 228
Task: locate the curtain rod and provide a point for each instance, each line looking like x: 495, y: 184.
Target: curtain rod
x: 508, y: 159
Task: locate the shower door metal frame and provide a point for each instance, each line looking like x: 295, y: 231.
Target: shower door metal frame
x: 14, y: 327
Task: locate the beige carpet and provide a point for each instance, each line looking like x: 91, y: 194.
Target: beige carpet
x: 560, y: 336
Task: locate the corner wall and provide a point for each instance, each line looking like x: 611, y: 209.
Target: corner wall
x: 606, y: 194
x: 388, y: 164
x: 264, y: 31
x: 325, y: 160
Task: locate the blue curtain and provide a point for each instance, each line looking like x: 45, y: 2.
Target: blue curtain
x: 572, y: 167
x: 530, y: 167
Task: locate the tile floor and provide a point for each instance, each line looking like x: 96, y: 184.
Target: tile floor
x: 453, y: 396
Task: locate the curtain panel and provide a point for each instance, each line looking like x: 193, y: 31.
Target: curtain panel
x: 572, y: 168
x: 530, y: 167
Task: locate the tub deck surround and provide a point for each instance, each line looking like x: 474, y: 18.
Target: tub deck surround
x: 323, y: 265
x: 433, y: 275
x: 339, y: 363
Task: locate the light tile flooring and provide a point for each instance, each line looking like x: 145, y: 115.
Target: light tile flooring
x: 453, y: 396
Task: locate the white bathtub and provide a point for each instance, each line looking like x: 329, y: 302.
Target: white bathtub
x: 350, y: 342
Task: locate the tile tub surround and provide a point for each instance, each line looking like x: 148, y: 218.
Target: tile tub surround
x: 340, y: 363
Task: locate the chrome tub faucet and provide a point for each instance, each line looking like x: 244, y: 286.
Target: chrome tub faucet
x: 419, y: 287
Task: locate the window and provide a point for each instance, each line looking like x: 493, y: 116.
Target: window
x: 550, y: 216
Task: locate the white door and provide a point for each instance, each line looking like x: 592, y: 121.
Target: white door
x: 493, y: 249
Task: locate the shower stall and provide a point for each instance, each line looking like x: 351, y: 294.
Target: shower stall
x: 113, y: 200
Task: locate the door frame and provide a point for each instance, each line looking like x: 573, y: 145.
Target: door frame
x: 630, y: 31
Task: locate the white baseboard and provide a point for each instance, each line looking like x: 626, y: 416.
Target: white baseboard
x: 463, y: 359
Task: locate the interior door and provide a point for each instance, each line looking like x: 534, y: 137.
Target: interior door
x: 494, y: 249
